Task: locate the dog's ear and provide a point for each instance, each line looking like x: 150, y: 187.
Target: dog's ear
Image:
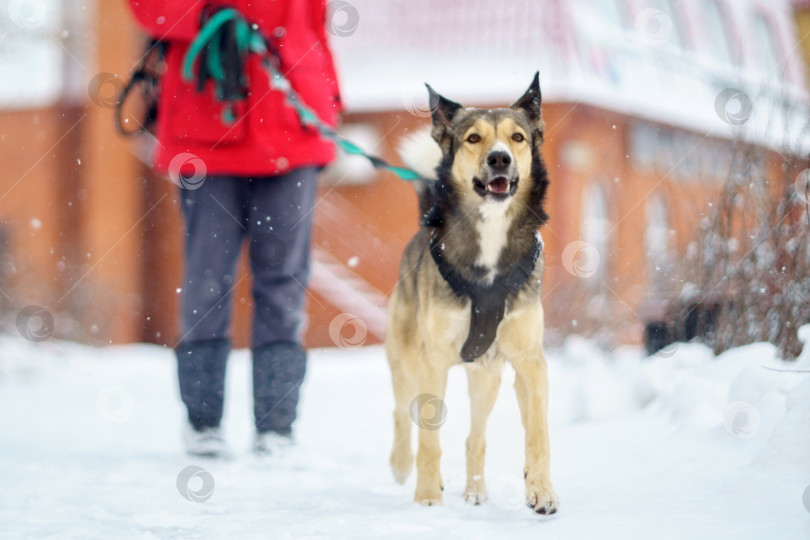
x: 530, y: 104
x: 442, y: 111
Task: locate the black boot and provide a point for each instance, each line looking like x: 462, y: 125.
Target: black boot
x: 201, y: 371
x: 278, y: 370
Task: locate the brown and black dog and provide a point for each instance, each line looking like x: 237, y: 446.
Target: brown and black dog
x: 469, y: 289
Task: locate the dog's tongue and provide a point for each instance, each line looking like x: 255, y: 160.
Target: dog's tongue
x: 500, y: 185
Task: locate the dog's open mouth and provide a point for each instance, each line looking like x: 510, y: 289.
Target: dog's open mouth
x: 499, y: 187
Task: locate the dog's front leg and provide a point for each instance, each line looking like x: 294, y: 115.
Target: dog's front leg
x: 483, y: 389
x: 429, y: 414
x: 531, y: 385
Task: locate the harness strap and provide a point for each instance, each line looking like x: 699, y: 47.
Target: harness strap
x: 487, y: 302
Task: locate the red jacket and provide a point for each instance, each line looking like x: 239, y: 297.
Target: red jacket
x: 267, y: 137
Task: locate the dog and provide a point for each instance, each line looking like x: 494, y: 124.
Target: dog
x: 469, y: 290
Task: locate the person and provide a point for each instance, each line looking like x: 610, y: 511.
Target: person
x: 259, y: 185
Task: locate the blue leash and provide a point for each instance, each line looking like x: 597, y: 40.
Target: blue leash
x: 248, y: 38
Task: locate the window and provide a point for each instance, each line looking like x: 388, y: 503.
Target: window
x: 30, y: 58
x: 595, y: 232
x: 42, y: 52
x: 657, y: 243
x: 718, y: 34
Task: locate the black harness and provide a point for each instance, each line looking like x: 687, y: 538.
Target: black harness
x: 147, y: 79
x: 487, y: 302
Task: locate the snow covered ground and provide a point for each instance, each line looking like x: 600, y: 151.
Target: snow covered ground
x: 683, y: 445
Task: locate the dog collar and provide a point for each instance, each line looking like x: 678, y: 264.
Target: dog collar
x: 487, y: 302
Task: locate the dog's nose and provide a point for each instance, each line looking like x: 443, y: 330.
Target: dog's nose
x: 499, y: 160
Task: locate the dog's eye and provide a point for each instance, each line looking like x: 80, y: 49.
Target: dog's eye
x: 473, y: 138
x: 518, y: 137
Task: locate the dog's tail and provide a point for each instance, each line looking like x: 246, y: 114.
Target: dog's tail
x: 422, y: 154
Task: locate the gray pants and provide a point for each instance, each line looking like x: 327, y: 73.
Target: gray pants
x: 275, y: 216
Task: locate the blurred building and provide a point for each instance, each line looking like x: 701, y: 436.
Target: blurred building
x: 643, y: 102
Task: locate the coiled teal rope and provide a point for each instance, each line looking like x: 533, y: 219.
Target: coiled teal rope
x: 249, y: 39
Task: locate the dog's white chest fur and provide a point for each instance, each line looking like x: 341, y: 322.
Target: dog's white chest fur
x: 492, y: 229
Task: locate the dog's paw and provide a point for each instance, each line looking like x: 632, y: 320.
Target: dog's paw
x: 429, y: 496
x: 401, y: 464
x: 429, y: 501
x: 541, y: 500
x: 475, y: 492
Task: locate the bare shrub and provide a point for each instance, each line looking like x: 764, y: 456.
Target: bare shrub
x: 749, y: 265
